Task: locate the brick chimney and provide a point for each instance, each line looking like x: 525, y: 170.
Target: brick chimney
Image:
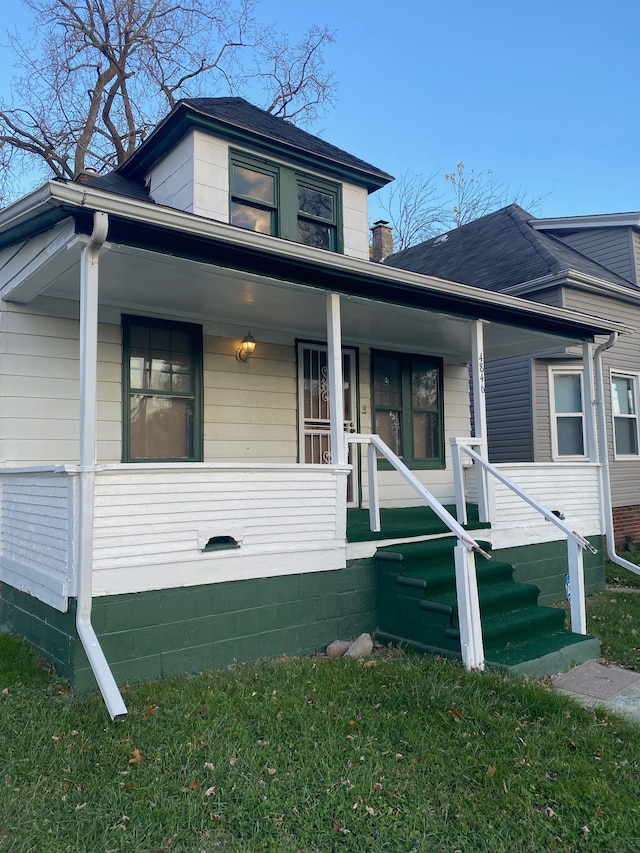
x: 381, y: 241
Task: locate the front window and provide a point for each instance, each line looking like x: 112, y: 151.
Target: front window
x: 253, y: 198
x: 625, y: 414
x: 274, y: 199
x: 567, y: 414
x: 408, y: 408
x: 162, y: 377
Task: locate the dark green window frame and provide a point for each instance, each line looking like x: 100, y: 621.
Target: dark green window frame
x: 179, y: 346
x: 301, y: 207
x: 407, y: 405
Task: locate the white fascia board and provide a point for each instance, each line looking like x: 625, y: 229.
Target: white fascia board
x: 81, y: 196
x: 577, y: 223
x: 573, y: 278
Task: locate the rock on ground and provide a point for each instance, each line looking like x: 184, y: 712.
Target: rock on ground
x: 361, y: 647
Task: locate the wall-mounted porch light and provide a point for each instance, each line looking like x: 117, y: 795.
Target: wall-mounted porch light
x: 246, y: 348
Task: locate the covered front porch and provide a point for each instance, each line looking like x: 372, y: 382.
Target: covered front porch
x: 249, y: 543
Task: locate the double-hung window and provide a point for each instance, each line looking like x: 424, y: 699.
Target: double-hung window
x: 624, y: 395
x: 282, y: 201
x: 162, y: 391
x: 408, y: 407
x: 567, y: 414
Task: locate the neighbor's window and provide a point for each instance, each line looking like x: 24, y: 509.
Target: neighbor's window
x: 408, y: 407
x: 567, y: 413
x: 625, y: 414
x: 276, y: 199
x: 162, y: 391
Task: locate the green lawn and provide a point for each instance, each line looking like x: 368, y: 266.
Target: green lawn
x: 402, y: 753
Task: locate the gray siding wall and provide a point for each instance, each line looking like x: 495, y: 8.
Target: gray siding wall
x: 508, y: 395
x: 635, y: 243
x: 624, y: 357
x: 541, y: 411
x: 548, y: 297
x: 611, y: 247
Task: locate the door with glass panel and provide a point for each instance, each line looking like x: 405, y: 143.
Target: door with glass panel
x: 314, y: 422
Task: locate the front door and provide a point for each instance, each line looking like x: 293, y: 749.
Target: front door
x: 313, y: 412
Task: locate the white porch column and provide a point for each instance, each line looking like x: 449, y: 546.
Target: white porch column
x: 336, y: 381
x: 480, y: 413
x: 479, y: 399
x: 590, y: 403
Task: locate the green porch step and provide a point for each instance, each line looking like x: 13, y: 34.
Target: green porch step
x: 417, y: 606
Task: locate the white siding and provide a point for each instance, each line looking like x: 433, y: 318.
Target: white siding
x: 39, y: 386
x: 194, y: 178
x: 36, y: 526
x: 356, y: 221
x: 152, y: 522
x: 570, y: 489
x: 211, y: 177
x: 249, y: 409
x: 172, y: 180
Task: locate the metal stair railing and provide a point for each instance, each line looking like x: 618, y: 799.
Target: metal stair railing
x: 576, y: 543
x: 471, y: 644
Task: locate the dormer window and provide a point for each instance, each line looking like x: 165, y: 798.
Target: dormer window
x: 279, y: 200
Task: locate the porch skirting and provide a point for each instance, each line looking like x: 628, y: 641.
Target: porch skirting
x: 155, y: 634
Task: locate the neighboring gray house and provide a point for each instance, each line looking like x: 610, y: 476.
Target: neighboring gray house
x: 536, y: 403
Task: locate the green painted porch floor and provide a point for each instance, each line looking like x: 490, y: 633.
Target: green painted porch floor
x: 405, y: 522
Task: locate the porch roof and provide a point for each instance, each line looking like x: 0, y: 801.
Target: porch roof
x: 160, y: 259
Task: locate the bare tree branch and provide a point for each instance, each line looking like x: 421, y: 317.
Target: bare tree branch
x: 97, y: 75
x: 418, y: 210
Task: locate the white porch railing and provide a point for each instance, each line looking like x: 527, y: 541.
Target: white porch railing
x: 471, y: 644
x: 576, y: 543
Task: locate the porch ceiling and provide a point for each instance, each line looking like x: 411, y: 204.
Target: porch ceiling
x: 138, y: 279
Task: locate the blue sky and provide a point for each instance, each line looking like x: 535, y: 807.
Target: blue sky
x: 543, y: 94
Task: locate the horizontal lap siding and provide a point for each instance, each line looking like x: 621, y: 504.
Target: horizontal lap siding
x: 36, y: 523
x: 610, y: 247
x: 250, y: 408
x: 39, y: 421
x: 623, y: 357
x: 569, y: 489
x: 152, y: 518
x: 508, y: 400
x: 541, y: 411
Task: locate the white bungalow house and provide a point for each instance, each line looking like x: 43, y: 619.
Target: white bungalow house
x: 212, y: 399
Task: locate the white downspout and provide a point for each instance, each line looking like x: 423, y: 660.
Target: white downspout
x: 604, y: 460
x: 88, y: 461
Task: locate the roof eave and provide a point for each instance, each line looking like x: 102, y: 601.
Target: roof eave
x: 578, y: 223
x: 186, y: 117
x: 263, y: 254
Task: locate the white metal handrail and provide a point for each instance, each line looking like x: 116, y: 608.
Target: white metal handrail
x: 471, y: 644
x: 575, y: 542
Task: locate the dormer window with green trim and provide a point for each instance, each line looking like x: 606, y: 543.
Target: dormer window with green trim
x: 279, y: 200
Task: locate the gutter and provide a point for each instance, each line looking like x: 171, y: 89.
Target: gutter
x: 604, y: 460
x: 88, y: 464
x: 307, y: 265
